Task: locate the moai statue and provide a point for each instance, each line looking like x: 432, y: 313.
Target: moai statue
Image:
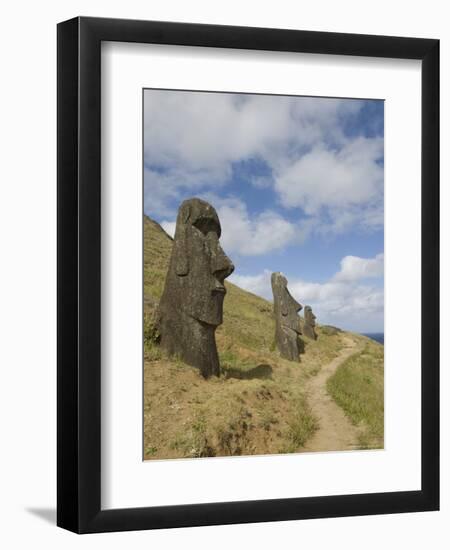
x: 310, y: 323
x: 191, y: 306
x: 287, y: 322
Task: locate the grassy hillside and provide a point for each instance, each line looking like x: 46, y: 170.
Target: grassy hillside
x: 259, y: 404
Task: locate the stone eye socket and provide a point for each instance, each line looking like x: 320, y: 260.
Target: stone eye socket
x: 205, y: 225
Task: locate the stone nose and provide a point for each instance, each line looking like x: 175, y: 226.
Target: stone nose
x: 222, y: 266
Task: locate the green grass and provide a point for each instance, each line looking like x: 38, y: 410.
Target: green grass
x: 302, y: 426
x: 358, y: 387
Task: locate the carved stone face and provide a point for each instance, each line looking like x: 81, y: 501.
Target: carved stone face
x: 287, y: 321
x: 286, y: 306
x: 191, y: 305
x: 310, y: 318
x: 201, y: 266
x: 291, y: 319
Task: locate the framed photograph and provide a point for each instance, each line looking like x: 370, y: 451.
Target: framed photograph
x: 248, y: 275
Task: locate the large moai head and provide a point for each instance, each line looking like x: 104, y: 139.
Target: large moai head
x: 287, y: 321
x: 310, y: 323
x: 191, y: 306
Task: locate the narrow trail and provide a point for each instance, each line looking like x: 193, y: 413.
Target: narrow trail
x: 336, y: 432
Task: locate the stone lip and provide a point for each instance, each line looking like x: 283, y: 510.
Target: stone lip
x: 287, y: 321
x: 191, y: 306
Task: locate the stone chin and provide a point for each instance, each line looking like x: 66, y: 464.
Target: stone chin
x: 292, y: 326
x: 212, y: 314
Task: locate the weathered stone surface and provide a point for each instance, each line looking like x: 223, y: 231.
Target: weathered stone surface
x: 287, y: 322
x: 310, y: 323
x: 191, y: 305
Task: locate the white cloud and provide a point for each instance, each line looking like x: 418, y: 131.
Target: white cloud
x: 257, y: 284
x: 354, y: 268
x: 193, y: 139
x: 341, y: 301
x: 164, y: 189
x: 252, y: 236
x: 338, y: 188
x: 244, y: 235
x: 206, y: 131
x: 325, y: 177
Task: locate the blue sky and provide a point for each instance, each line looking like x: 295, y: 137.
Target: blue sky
x: 298, y: 183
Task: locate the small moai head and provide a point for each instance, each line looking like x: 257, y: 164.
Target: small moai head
x: 285, y: 306
x: 310, y: 323
x: 310, y: 318
x: 287, y: 321
x: 199, y: 266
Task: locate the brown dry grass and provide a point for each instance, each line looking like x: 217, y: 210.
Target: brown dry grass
x: 257, y: 406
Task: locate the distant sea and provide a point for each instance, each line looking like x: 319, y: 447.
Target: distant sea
x: 377, y: 336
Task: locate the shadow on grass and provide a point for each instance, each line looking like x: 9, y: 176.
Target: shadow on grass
x: 262, y: 371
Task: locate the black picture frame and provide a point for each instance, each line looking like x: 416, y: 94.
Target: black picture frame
x: 79, y: 280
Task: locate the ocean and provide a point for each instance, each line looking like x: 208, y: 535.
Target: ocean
x: 377, y: 336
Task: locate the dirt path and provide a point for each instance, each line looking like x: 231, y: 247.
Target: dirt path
x: 336, y: 432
